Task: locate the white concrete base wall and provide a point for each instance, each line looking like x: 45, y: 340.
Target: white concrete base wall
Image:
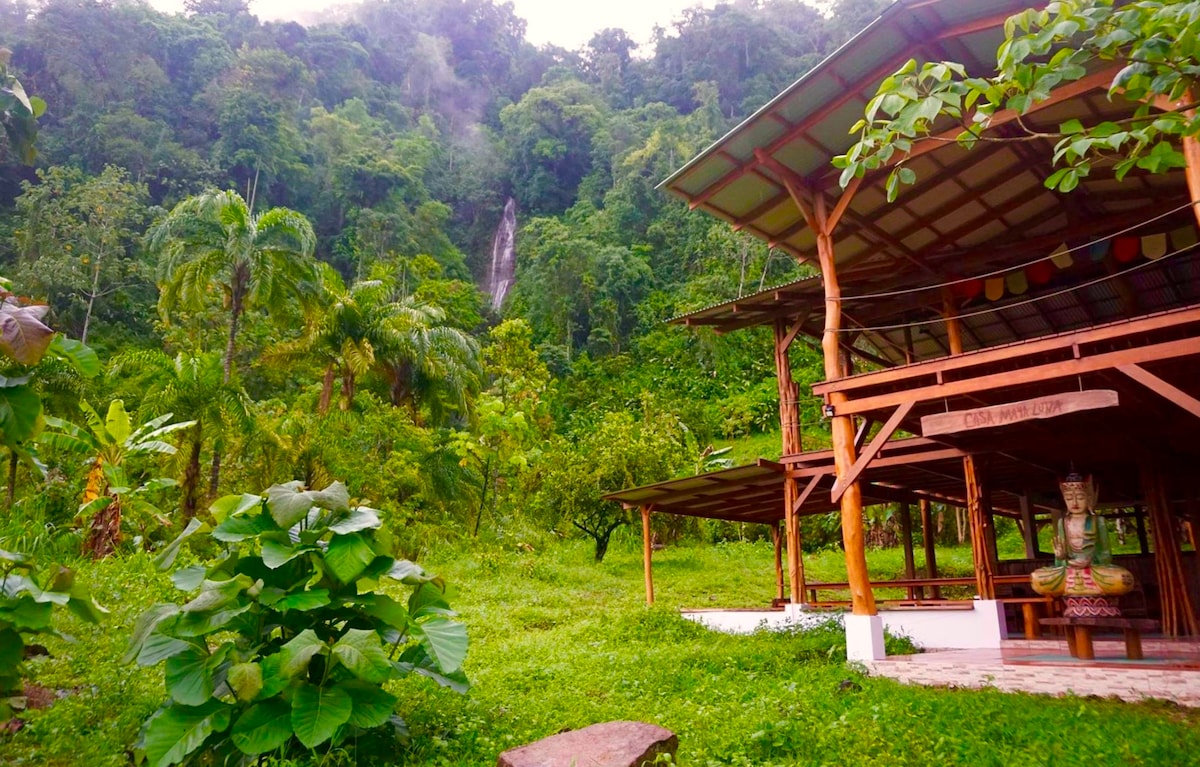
x: 864, y: 638
x: 981, y: 628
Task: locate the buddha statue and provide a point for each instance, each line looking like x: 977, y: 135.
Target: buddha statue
x: 1083, y: 572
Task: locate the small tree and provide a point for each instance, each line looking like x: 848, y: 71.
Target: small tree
x: 618, y: 453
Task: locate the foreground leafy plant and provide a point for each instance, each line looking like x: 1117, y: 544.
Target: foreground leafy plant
x: 287, y: 642
x: 26, y: 607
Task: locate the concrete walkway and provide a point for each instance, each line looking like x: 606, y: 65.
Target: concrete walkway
x: 1170, y: 671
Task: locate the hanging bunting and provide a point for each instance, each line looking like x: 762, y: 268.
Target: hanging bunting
x: 1154, y: 246
x: 1098, y: 250
x: 1039, y: 273
x: 1126, y: 249
x: 1016, y: 282
x: 968, y: 289
x: 993, y: 289
x: 1061, y: 257
x: 1183, y: 237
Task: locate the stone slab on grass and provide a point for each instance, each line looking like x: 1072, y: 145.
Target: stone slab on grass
x: 610, y: 744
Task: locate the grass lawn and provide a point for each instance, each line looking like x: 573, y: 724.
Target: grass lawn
x: 560, y: 642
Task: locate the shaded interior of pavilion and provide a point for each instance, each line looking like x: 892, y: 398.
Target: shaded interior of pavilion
x: 975, y: 293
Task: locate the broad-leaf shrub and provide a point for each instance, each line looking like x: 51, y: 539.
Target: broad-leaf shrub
x: 288, y: 638
x: 26, y: 605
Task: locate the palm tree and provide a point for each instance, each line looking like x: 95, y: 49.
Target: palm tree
x: 365, y: 327
x: 429, y: 362
x: 193, y: 387
x: 258, y: 260
x: 345, y: 335
x: 109, y: 442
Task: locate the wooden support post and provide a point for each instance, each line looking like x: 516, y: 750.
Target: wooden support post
x: 789, y: 427
x: 1191, y: 156
x: 815, y: 212
x: 1178, y: 615
x: 953, y: 325
x: 904, y: 514
x: 777, y: 539
x: 1139, y: 518
x: 647, y: 552
x: 1029, y: 527
x: 929, y: 534
x: 980, y: 521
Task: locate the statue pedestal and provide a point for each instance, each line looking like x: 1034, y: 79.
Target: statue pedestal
x: 1090, y: 607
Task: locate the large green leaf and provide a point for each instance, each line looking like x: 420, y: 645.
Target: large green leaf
x: 353, y: 520
x: 176, y: 731
x: 428, y: 599
x: 444, y: 640
x: 166, y: 557
x: 276, y: 554
x: 26, y: 613
x: 296, y: 654
x: 409, y: 573
x: 146, y: 623
x: 347, y: 556
x: 207, y: 621
x: 189, y: 678
x: 304, y: 600
x: 289, y: 503
x: 317, y: 713
x: 240, y: 527
x: 233, y: 505
x: 117, y: 422
x: 263, y: 727
x: 214, y: 594
x: 159, y: 647
x: 361, y: 652
x: 20, y: 414
x: 245, y: 679
x: 373, y: 705
x: 80, y: 356
x: 386, y: 609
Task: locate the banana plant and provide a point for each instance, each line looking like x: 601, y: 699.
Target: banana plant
x: 109, y: 443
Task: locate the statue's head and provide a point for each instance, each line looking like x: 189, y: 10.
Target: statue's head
x: 1079, y: 493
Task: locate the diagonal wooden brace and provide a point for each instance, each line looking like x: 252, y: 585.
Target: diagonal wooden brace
x: 808, y: 490
x: 1161, y: 387
x: 864, y: 460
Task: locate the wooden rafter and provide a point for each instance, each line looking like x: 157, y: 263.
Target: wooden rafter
x: 1163, y: 388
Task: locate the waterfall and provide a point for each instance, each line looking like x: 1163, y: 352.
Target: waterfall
x: 500, y: 272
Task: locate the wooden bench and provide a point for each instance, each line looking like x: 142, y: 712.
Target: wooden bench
x: 1029, y: 611
x: 1079, y: 633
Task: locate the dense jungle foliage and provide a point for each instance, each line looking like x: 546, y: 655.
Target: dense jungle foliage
x: 245, y: 337
x: 321, y: 318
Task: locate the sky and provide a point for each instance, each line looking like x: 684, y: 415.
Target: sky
x: 565, y: 23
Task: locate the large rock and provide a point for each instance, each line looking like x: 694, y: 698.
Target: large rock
x: 611, y: 744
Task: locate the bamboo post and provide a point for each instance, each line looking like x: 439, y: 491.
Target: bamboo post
x: 929, y: 533
x: 1139, y: 518
x: 862, y: 598
x: 1178, y: 615
x: 1028, y: 527
x: 777, y: 539
x: 647, y: 552
x: 789, y: 426
x: 980, y: 522
x: 953, y: 326
x: 910, y: 565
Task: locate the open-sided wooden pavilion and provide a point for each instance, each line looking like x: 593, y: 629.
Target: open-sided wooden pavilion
x: 1015, y: 330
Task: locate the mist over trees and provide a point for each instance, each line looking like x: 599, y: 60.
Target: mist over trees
x: 398, y: 133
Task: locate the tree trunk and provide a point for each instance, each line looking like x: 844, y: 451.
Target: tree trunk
x: 105, y: 531
x: 191, y: 478
x: 214, y: 473
x: 602, y: 544
x: 235, y: 314
x: 326, y: 390
x: 347, y: 390
x: 483, y: 494
x: 87, y: 316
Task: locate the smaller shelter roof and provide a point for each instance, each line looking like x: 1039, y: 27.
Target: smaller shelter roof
x: 907, y: 469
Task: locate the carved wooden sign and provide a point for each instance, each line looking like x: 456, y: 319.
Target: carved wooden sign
x: 1036, y: 409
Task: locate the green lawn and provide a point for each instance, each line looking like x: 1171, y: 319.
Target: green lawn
x: 561, y: 642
